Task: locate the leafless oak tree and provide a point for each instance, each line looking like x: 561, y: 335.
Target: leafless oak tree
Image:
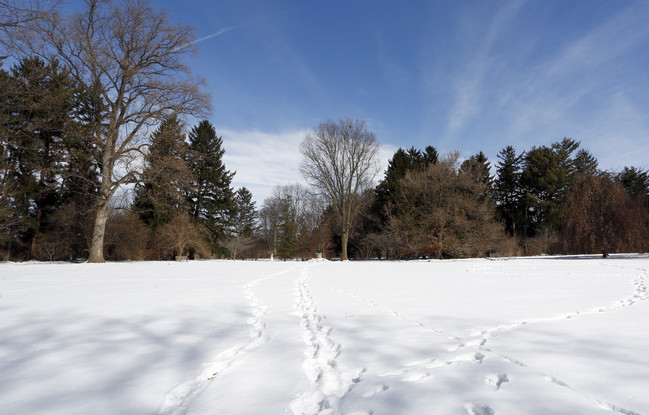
x: 128, y: 57
x: 340, y: 159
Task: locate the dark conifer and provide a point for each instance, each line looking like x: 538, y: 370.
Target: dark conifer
x: 212, y: 197
x: 507, y: 188
x: 166, y: 178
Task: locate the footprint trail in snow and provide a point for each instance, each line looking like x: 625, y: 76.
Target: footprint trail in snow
x: 179, y: 399
x: 329, y: 383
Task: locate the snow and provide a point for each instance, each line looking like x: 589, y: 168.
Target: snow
x: 559, y: 335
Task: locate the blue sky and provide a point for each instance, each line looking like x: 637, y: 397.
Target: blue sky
x: 465, y: 75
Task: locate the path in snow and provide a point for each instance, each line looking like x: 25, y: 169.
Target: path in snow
x: 329, y: 384
x: 179, y: 399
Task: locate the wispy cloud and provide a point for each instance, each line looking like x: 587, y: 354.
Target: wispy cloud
x: 581, y: 91
x: 469, y: 85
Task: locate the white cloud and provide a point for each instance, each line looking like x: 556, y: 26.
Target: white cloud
x: 263, y: 160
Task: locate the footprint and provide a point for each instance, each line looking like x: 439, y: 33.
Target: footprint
x: 375, y: 391
x: 455, y: 347
x: 395, y: 372
x: 475, y: 409
x: 415, y: 377
x: 420, y: 362
x: 495, y: 381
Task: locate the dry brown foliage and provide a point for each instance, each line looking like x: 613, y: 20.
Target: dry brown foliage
x: 444, y: 213
x: 602, y: 218
x: 126, y: 237
x: 181, y: 235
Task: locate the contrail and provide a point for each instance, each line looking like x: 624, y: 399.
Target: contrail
x: 219, y: 32
x: 227, y: 29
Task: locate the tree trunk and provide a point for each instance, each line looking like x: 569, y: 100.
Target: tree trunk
x: 98, y: 232
x: 344, y: 239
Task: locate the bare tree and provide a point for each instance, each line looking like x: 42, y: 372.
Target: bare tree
x: 129, y: 59
x: 17, y: 13
x: 236, y: 244
x: 181, y: 235
x: 340, y: 159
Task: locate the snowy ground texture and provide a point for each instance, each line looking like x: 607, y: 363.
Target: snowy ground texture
x: 520, y: 336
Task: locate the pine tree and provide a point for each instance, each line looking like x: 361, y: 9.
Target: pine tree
x: 243, y: 224
x: 166, y: 178
x: 507, y: 188
x: 287, y: 244
x: 479, y: 168
x: 40, y: 104
x: 245, y: 216
x: 547, y: 175
x: 636, y: 184
x: 585, y: 163
x: 212, y: 197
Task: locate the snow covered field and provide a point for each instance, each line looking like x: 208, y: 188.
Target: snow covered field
x: 522, y: 336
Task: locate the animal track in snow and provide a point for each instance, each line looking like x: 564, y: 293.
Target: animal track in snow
x: 561, y: 383
x: 329, y: 384
x: 393, y: 313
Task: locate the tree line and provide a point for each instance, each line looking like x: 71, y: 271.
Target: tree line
x: 96, y: 163
x: 180, y: 203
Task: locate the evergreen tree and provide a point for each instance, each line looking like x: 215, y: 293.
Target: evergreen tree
x: 479, y: 168
x: 636, y: 183
x: 507, y: 188
x: 39, y: 106
x: 166, y: 178
x: 244, y: 222
x: 212, y: 197
x: 585, y: 163
x: 287, y: 244
x: 547, y: 175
